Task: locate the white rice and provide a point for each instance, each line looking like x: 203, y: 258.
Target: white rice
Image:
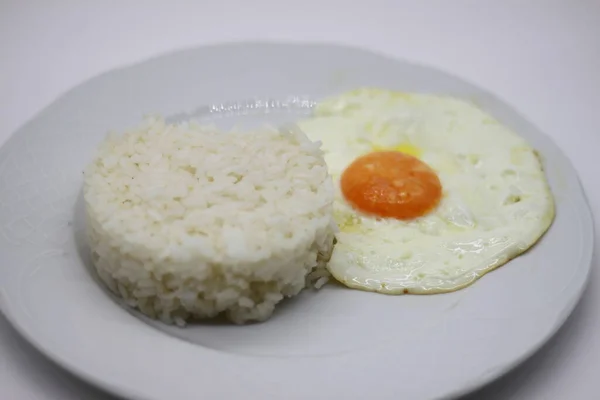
x: 185, y: 222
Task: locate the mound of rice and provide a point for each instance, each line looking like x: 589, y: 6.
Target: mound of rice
x: 185, y: 222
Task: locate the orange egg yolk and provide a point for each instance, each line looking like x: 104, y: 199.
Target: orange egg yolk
x: 391, y: 184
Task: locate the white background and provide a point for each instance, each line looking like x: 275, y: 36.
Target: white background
x: 543, y: 57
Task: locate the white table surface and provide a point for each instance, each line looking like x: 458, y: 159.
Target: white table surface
x: 543, y: 57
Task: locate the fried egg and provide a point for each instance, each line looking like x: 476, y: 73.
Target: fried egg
x: 431, y: 192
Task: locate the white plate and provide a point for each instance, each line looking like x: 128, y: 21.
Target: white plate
x: 336, y: 343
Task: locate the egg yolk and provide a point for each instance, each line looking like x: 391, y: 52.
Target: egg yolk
x: 391, y: 184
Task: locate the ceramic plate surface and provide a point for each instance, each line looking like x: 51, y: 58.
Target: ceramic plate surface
x: 334, y: 343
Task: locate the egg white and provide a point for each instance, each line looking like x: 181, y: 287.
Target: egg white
x: 496, y: 202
